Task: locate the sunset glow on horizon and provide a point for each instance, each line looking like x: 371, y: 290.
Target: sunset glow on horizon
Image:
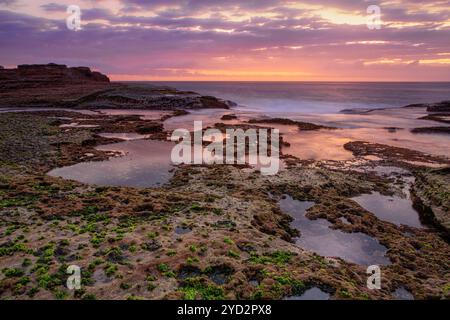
x: 229, y: 40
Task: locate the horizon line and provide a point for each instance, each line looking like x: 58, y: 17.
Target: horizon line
x: 286, y: 81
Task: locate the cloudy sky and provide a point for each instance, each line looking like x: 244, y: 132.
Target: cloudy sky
x: 282, y: 40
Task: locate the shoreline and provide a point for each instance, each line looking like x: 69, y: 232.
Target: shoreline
x: 265, y: 223
x: 211, y: 231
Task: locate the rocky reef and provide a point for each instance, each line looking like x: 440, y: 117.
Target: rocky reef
x: 393, y: 154
x: 432, y: 197
x: 211, y: 231
x: 438, y: 112
x: 156, y: 98
x: 54, y: 85
x: 443, y: 130
x: 443, y: 106
x: 301, y: 125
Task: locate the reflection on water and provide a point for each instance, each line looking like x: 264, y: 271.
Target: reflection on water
x: 318, y: 97
x: 316, y: 235
x: 395, y: 209
x: 386, y: 171
x: 329, y: 144
x: 313, y: 145
x: 371, y: 127
x: 7, y: 110
x: 78, y: 125
x: 182, y: 230
x: 406, y: 118
x: 390, y: 208
x: 402, y: 294
x: 388, y: 126
x: 124, y: 136
x: 311, y: 294
x: 145, y: 114
x: 433, y: 144
x: 209, y: 117
x: 146, y: 164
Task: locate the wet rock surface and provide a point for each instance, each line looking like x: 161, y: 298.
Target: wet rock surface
x: 228, y: 117
x: 431, y: 196
x: 443, y: 106
x: 241, y: 244
x: 442, y: 130
x: 394, y: 154
x: 301, y: 125
x: 439, y: 117
x: 156, y: 98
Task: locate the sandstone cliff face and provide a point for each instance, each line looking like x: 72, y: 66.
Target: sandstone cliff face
x: 27, y: 76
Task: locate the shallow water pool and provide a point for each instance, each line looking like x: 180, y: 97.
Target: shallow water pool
x: 146, y: 163
x: 317, y: 236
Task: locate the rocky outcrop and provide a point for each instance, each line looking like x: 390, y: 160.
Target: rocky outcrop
x: 356, y: 111
x: 229, y: 117
x: 443, y: 130
x: 416, y: 105
x: 54, y: 85
x: 431, y: 197
x: 443, y: 106
x: 148, y: 97
x: 39, y: 75
x: 438, y: 117
x: 301, y: 125
x: 395, y: 154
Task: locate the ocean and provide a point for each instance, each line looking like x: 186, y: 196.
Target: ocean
x: 318, y: 97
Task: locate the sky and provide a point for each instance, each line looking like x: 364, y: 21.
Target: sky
x: 230, y: 40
